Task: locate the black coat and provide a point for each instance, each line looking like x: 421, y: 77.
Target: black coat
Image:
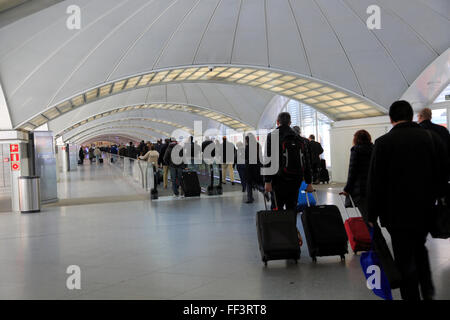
x: 358, y: 171
x: 168, y: 156
x: 162, y: 153
x: 405, y: 177
x: 440, y: 130
x: 285, y: 131
x: 253, y: 166
x: 315, y: 148
x: 131, y: 152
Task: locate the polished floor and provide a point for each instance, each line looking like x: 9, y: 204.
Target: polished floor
x: 128, y: 247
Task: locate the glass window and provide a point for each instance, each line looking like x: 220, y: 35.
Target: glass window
x: 311, y: 122
x: 440, y: 117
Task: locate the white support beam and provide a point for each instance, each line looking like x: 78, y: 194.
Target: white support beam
x: 5, y: 118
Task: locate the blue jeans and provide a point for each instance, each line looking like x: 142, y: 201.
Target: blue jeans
x: 175, y: 176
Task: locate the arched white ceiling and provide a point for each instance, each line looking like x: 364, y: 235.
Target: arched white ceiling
x: 42, y: 62
x: 137, y: 133
x: 238, y: 102
x: 160, y: 130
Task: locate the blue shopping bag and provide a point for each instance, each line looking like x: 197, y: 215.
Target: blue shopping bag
x: 302, y: 203
x: 377, y: 280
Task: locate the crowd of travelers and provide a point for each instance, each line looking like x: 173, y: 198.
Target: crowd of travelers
x: 395, y: 180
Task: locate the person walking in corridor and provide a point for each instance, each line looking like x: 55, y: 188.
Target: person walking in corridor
x: 407, y: 173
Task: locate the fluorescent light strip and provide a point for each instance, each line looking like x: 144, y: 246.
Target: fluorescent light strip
x: 287, y: 85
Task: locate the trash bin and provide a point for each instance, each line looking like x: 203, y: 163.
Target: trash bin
x: 29, y: 194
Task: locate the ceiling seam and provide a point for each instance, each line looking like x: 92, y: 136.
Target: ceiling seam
x: 173, y: 33
x: 63, y: 45
x: 343, y: 49
x: 410, y: 26
x: 139, y: 38
x: 204, y: 32
x: 235, y: 31
x: 301, y: 39
x: 267, y: 33
x: 83, y: 61
x: 379, y: 41
x: 435, y: 11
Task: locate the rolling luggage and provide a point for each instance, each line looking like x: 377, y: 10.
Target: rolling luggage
x: 190, y: 184
x: 212, y: 189
x: 154, y: 190
x: 277, y: 234
x: 100, y: 160
x: 302, y: 194
x: 324, y: 175
x: 357, y: 232
x: 324, y: 231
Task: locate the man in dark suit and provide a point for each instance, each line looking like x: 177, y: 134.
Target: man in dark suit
x: 424, y: 119
x: 406, y: 176
x: 315, y: 148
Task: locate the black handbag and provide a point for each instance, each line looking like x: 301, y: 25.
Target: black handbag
x: 387, y: 261
x: 440, y: 221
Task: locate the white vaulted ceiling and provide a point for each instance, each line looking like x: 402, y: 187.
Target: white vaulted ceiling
x: 43, y: 63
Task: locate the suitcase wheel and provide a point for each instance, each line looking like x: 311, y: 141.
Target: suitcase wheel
x: 314, y: 259
x: 265, y: 262
x: 342, y: 257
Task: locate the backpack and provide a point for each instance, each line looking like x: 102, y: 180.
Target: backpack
x: 292, y: 158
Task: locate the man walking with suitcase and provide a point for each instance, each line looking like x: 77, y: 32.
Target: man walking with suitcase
x: 407, y: 174
x: 294, y: 164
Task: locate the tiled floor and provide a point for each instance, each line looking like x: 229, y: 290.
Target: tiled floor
x: 170, y: 249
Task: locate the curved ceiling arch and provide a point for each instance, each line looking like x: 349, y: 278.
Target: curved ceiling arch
x: 244, y: 104
x: 156, y: 133
x: 114, y: 139
x: 336, y: 102
x: 138, y: 124
x: 199, y: 113
x: 126, y: 120
x: 322, y: 39
x: 138, y: 134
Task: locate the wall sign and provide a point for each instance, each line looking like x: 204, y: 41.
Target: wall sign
x: 15, y: 157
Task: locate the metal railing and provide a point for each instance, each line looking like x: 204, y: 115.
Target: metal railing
x: 142, y: 172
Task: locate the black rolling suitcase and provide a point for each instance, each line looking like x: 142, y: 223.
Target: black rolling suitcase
x: 190, y: 184
x: 100, y: 160
x: 324, y: 175
x: 277, y: 234
x: 324, y: 231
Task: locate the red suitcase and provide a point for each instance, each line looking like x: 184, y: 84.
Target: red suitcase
x: 357, y: 231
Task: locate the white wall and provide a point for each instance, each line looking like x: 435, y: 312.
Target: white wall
x: 341, y: 138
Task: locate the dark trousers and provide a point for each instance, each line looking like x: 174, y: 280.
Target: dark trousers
x: 315, y: 171
x: 411, y: 258
x: 176, y: 176
x: 286, y: 195
x: 241, y: 171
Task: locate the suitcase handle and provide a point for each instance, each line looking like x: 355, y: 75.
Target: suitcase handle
x: 341, y: 196
x: 274, y: 198
x: 314, y: 193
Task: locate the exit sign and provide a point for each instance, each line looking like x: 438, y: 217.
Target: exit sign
x: 15, y: 158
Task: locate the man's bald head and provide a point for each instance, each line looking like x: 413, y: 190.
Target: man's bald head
x: 424, y: 114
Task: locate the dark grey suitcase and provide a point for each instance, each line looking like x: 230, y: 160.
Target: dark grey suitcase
x: 190, y: 184
x: 277, y: 235
x: 324, y: 231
